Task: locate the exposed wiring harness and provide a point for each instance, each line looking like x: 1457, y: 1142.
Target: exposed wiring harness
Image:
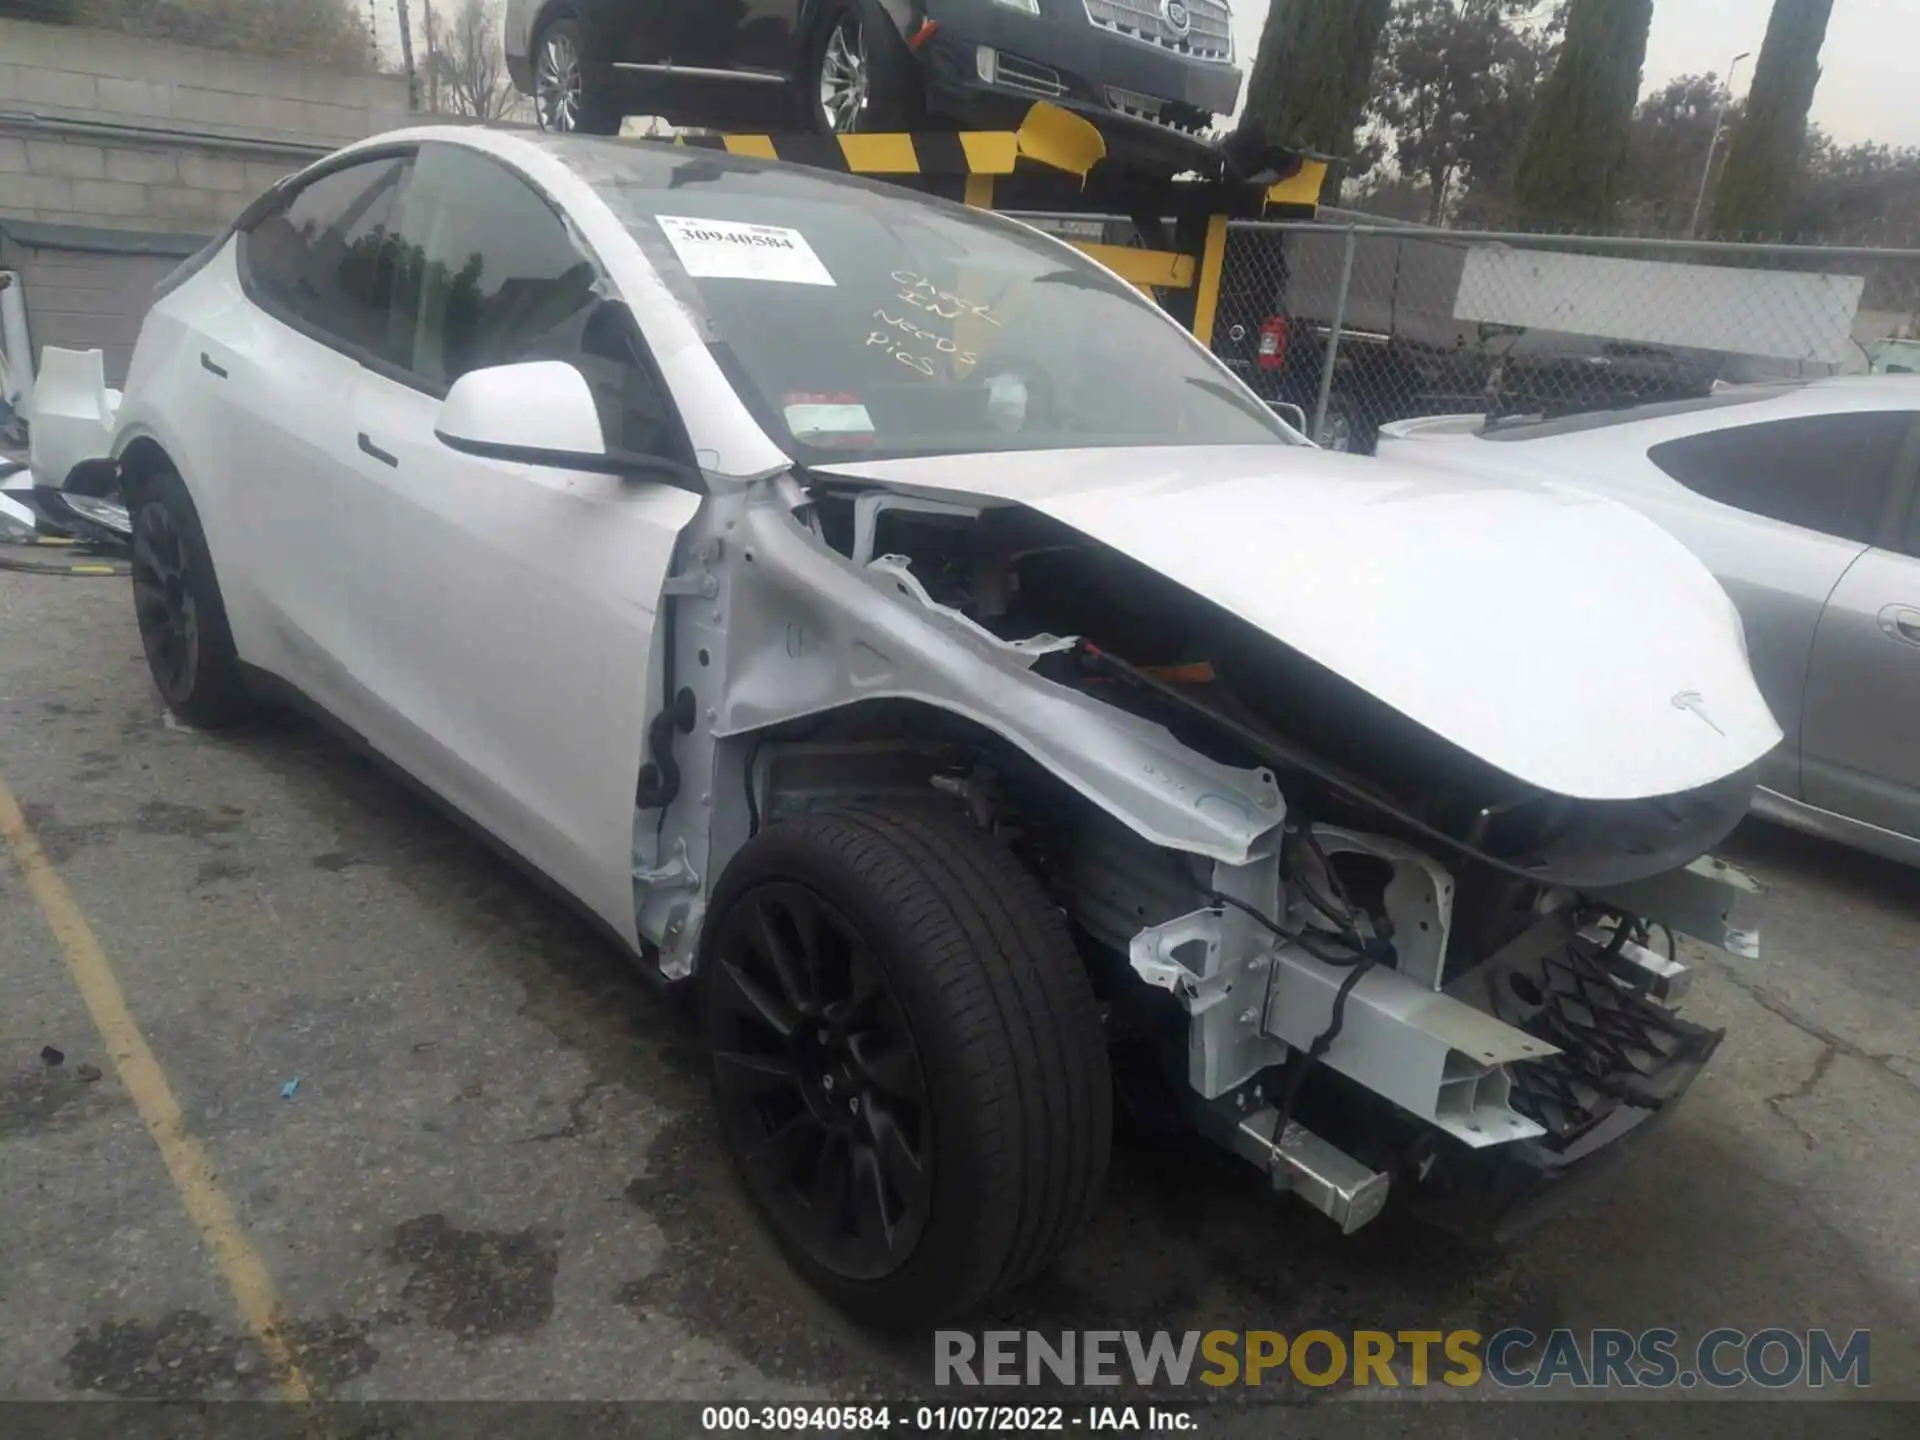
x: 1365, y: 953
x: 1276, y: 751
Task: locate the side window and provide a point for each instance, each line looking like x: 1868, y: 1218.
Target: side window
x: 1830, y: 473
x: 326, y: 256
x: 490, y: 275
x: 1908, y: 542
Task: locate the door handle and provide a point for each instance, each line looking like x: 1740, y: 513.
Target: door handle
x: 206, y: 363
x: 1902, y: 623
x: 367, y: 447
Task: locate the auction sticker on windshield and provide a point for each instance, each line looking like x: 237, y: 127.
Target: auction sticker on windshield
x: 733, y: 250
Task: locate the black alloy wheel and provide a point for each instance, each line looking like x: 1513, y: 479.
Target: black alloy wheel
x: 178, y: 606
x: 820, y: 1085
x: 164, y: 604
x: 910, y: 1073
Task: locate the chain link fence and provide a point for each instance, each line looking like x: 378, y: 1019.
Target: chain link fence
x: 1359, y: 323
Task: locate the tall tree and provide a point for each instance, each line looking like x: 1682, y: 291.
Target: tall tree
x: 1673, y: 129
x: 1576, y: 144
x: 468, y: 67
x: 1864, y: 194
x: 1308, y: 87
x: 1754, y: 193
x: 1456, y: 81
x: 433, y: 59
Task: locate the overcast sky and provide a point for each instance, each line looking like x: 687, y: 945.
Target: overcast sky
x: 1868, y: 89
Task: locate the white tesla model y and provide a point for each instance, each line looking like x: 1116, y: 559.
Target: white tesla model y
x: 879, y: 614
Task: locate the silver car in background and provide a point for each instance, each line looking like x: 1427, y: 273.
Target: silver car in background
x: 1801, y: 499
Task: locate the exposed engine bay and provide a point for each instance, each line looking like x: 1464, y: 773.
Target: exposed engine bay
x: 1148, y: 646
x: 1388, y: 964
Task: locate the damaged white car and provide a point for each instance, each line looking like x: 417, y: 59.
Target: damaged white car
x: 881, y: 616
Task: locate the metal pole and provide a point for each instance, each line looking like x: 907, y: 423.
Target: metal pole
x: 1713, y: 146
x: 1706, y: 171
x: 1333, y: 341
x: 406, y: 55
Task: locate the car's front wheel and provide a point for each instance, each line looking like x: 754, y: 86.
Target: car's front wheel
x: 570, y: 95
x: 860, y: 77
x: 909, y: 1066
x: 178, y: 606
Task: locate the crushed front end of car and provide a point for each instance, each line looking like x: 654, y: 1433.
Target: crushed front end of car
x: 1376, y: 855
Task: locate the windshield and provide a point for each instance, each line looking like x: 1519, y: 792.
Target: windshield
x: 858, y: 321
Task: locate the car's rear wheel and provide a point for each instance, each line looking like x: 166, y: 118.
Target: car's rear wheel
x: 909, y: 1067
x: 179, y: 608
x: 860, y: 77
x: 570, y: 95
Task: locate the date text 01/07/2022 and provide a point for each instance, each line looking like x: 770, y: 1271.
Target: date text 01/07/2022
x: 935, y: 1419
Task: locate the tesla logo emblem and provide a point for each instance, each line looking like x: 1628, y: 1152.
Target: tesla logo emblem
x: 1691, y: 700
x: 1175, y: 14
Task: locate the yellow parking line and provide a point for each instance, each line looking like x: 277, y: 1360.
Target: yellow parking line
x: 186, y: 1158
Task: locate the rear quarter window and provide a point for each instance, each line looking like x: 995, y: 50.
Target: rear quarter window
x: 1830, y: 473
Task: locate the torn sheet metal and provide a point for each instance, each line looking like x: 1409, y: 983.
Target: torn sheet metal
x: 812, y: 634
x: 1024, y: 651
x: 1710, y: 900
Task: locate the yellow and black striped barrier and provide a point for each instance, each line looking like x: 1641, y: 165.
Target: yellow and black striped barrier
x: 36, y: 566
x: 1049, y: 140
x: 1049, y: 137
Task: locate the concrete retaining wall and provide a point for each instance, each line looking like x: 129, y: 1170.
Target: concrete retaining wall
x: 109, y: 146
x: 99, y: 129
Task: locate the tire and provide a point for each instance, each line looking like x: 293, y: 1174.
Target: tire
x: 179, y: 609
x: 852, y: 32
x: 1347, y: 428
x: 572, y: 95
x: 976, y: 1004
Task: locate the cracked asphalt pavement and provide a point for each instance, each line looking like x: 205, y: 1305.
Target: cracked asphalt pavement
x: 497, y: 1176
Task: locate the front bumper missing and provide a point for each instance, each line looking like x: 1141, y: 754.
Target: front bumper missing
x: 1623, y: 1061
x: 1616, y: 1048
x: 1502, y: 1195
x: 1530, y: 1078
x: 1251, y: 1000
x: 1302, y: 1163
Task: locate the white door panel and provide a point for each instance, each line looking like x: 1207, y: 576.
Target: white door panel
x: 270, y: 354
x: 286, y: 440
x: 508, y: 632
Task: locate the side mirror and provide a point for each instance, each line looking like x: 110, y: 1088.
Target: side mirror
x: 1292, y: 414
x: 539, y: 412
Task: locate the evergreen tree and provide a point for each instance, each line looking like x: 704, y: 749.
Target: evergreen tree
x: 1456, y: 82
x: 1756, y: 186
x: 1576, y: 144
x: 1310, y: 76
